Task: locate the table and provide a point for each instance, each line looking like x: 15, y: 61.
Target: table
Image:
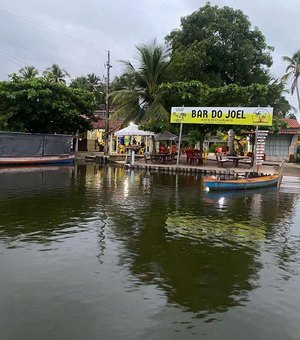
x: 160, y: 157
x: 236, y: 159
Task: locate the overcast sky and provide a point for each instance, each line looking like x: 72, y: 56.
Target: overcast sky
x: 77, y: 34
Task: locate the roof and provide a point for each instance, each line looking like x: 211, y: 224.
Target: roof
x: 292, y: 123
x: 113, y: 124
x: 293, y: 128
x: 165, y: 135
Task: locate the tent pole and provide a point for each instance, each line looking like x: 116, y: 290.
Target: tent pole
x: 179, y: 143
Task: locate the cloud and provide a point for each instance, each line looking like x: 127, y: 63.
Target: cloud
x: 76, y: 35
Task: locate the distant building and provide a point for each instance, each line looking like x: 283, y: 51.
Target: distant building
x: 282, y: 145
x: 93, y: 140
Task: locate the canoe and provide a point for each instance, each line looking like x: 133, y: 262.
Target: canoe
x: 215, y: 183
x: 27, y: 160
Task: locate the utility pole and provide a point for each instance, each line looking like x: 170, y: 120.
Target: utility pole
x: 107, y: 66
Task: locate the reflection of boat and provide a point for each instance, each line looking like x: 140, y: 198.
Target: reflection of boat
x: 34, y: 168
x: 215, y: 183
x: 51, y: 159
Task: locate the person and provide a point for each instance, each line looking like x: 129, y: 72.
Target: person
x: 240, y: 148
x: 163, y: 149
x: 134, y: 141
x: 173, y: 150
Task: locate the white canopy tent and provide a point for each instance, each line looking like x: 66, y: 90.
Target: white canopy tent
x: 133, y: 130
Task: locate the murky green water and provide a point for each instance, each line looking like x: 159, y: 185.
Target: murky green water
x: 104, y: 253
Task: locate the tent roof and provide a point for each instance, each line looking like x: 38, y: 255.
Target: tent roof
x: 133, y: 130
x: 165, y: 135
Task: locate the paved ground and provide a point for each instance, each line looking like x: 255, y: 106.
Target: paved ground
x: 291, y: 169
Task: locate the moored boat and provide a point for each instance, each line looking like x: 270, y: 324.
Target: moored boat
x: 31, y: 160
x: 215, y: 183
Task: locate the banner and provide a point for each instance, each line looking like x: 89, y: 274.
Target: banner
x: 259, y: 116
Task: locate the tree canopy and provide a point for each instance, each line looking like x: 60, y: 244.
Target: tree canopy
x: 218, y: 47
x: 35, y: 105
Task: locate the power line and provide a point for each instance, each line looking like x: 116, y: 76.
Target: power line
x: 13, y: 59
x: 49, y: 28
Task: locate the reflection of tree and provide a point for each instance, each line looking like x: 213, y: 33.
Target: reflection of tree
x: 40, y: 204
x: 206, y: 259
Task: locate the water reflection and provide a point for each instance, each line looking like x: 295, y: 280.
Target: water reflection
x: 44, y: 204
x: 126, y: 231
x: 201, y: 249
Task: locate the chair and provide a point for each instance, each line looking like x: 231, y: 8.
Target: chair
x: 221, y: 160
x: 189, y: 154
x: 141, y: 151
x: 121, y: 148
x: 196, y: 157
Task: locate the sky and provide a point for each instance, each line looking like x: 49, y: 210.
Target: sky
x: 77, y: 34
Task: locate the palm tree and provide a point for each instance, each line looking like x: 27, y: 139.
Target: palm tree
x: 144, y: 101
x: 28, y: 72
x: 55, y: 74
x: 293, y: 70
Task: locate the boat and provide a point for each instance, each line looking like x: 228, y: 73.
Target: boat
x: 260, y: 181
x: 31, y: 160
x: 21, y: 148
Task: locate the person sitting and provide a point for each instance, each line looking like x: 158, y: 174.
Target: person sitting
x: 189, y: 152
x: 134, y: 141
x: 173, y: 150
x: 163, y: 149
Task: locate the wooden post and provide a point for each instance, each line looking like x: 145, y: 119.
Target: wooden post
x: 280, y: 174
x: 178, y: 149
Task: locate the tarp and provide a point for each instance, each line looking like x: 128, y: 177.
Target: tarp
x: 165, y: 135
x: 30, y: 144
x: 133, y: 130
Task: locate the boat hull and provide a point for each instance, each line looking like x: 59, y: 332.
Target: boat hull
x: 27, y: 160
x: 214, y: 183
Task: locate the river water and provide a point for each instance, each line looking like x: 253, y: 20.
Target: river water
x: 91, y: 252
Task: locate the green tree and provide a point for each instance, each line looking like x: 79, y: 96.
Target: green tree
x: 28, y: 72
x: 55, y: 74
x: 143, y: 99
x: 35, y: 105
x: 217, y: 46
x: 91, y: 83
x: 293, y: 71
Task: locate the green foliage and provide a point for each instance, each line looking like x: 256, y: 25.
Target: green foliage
x: 293, y: 71
x: 55, y: 74
x: 142, y: 99
x: 35, y: 105
x: 195, y: 93
x: 217, y: 46
x: 93, y: 84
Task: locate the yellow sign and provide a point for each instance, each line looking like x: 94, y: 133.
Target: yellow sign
x: 260, y: 116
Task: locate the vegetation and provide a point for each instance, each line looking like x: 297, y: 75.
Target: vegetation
x: 35, y: 105
x: 141, y: 99
x: 218, y: 47
x: 293, y: 71
x: 214, y: 59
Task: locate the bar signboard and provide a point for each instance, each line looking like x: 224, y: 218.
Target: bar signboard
x: 259, y: 116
